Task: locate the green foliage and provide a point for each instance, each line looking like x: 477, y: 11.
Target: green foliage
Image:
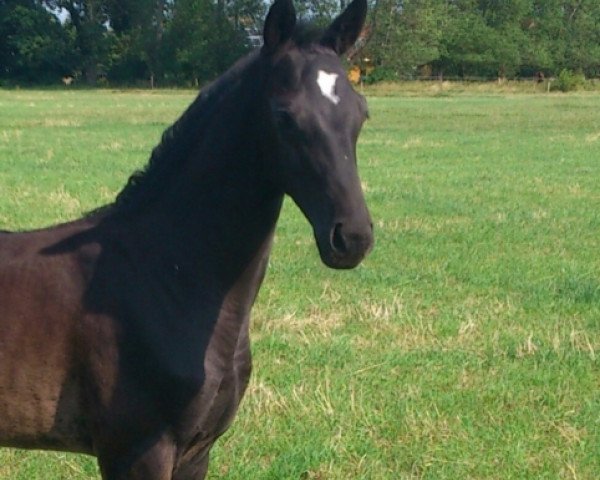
x: 190, y: 41
x: 465, y: 346
x: 134, y: 41
x: 139, y: 27
x: 195, y: 39
x: 381, y: 74
x: 34, y: 47
x: 569, y: 81
x: 318, y: 11
x: 486, y: 39
x: 89, y: 20
x: 406, y: 35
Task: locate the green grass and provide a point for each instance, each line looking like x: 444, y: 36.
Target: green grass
x: 447, y: 88
x: 466, y: 345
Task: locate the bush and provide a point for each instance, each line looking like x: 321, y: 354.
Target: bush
x: 381, y: 74
x: 569, y: 81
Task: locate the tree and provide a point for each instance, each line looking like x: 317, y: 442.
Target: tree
x: 202, y: 42
x: 407, y: 35
x: 245, y: 13
x: 35, y: 47
x: 186, y: 40
x: 486, y: 38
x: 139, y: 27
x: 320, y: 12
x: 90, y: 20
x: 582, y: 49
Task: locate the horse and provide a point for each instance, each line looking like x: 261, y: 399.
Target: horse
x: 124, y: 334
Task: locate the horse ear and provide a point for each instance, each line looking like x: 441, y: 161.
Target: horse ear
x: 346, y: 28
x: 279, y: 25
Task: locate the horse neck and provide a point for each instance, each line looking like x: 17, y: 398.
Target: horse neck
x: 216, y: 217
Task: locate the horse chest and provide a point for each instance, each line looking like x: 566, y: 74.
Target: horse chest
x: 227, y: 366
x: 212, y: 410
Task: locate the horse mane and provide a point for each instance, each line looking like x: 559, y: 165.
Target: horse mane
x: 169, y: 156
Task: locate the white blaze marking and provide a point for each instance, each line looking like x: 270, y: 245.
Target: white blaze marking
x: 326, y: 83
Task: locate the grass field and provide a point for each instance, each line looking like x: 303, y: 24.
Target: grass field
x: 465, y: 347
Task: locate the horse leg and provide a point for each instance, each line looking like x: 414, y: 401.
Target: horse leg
x: 195, y: 469
x: 153, y: 463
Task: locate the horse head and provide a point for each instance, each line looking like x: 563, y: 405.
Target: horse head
x: 316, y: 116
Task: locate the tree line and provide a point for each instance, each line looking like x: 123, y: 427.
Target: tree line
x: 485, y: 38
x: 184, y: 42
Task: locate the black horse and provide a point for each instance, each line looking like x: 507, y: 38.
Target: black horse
x: 124, y: 334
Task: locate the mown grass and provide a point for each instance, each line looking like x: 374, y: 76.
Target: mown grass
x: 465, y: 346
x: 453, y: 88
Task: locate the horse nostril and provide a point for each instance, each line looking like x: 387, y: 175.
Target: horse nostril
x: 337, y: 239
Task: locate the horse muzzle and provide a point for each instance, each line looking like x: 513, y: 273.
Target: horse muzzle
x: 345, y: 245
